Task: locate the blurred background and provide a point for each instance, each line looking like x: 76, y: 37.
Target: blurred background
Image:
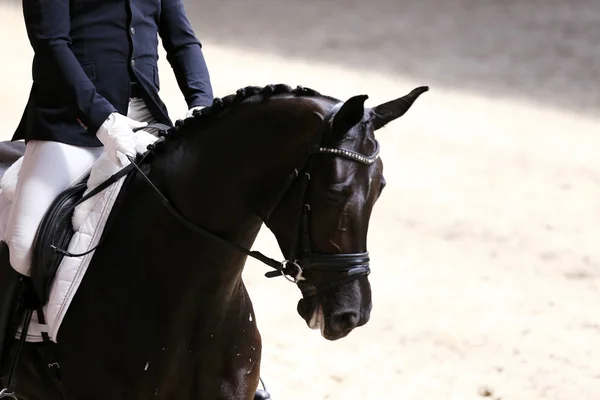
x: 485, y: 243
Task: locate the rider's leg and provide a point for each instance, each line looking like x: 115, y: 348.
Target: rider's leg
x: 48, y: 168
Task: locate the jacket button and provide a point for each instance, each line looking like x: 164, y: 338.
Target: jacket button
x: 133, y: 63
x: 132, y: 29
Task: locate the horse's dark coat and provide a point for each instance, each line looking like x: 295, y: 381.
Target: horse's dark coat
x: 163, y: 313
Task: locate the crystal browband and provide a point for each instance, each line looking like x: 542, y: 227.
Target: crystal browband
x: 352, y: 155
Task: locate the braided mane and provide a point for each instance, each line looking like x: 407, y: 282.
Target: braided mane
x: 220, y: 105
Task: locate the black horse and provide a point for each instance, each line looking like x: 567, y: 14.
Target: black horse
x: 163, y: 312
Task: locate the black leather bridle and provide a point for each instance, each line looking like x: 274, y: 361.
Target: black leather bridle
x: 301, y: 257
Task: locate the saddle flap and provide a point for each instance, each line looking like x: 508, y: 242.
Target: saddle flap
x: 55, y: 229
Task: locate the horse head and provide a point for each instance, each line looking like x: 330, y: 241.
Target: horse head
x: 322, y: 217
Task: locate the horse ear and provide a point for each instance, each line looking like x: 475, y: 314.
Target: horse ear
x: 387, y: 112
x: 349, y: 114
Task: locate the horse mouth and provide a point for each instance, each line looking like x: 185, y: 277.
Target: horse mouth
x: 317, y: 320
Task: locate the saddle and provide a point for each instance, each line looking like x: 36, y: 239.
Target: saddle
x: 56, y: 228
x: 55, y: 231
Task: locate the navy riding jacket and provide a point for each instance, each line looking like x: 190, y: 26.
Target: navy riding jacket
x: 87, y: 52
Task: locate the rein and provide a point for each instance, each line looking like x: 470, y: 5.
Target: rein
x: 301, y: 258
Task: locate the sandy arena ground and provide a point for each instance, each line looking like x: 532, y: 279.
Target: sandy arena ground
x: 486, y: 264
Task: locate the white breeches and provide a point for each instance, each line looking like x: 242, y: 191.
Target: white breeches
x: 47, y: 170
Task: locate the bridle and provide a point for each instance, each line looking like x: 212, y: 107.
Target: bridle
x: 301, y: 258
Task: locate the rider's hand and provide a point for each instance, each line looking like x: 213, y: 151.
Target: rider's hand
x: 117, y: 135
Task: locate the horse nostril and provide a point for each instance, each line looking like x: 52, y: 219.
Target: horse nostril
x: 344, y: 321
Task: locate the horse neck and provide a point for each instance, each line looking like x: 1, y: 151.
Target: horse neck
x: 225, y: 177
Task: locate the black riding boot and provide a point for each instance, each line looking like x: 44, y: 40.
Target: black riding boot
x: 11, y: 303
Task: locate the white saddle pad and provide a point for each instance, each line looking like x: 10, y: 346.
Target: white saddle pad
x: 89, y: 220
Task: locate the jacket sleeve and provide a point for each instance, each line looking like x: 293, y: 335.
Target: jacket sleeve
x: 48, y: 25
x: 184, y: 53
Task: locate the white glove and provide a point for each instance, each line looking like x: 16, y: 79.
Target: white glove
x: 190, y: 112
x: 143, y: 139
x: 116, y: 135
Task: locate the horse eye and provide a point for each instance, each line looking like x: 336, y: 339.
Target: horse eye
x: 382, y: 186
x: 336, y: 194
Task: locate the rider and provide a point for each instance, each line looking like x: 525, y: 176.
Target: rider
x: 95, y: 78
